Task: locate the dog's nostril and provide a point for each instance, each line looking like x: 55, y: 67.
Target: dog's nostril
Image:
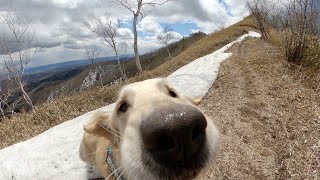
x: 165, y: 143
x: 198, y: 132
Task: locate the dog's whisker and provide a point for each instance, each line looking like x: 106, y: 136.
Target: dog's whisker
x: 92, y: 153
x: 119, y: 178
x: 134, y: 158
x: 111, y: 132
x: 118, y: 132
x: 121, y: 167
x: 115, y: 171
x: 121, y: 134
x: 114, y: 132
x: 129, y: 174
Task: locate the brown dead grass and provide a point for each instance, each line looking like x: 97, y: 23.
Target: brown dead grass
x: 269, y: 121
x: 24, y: 126
x: 309, y: 68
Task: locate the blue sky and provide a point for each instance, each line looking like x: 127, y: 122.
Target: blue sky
x: 185, y: 29
x: 59, y: 28
x: 226, y: 6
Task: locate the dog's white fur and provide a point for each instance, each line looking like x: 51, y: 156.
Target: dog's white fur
x: 122, y: 132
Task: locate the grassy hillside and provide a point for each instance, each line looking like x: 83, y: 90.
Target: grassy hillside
x: 269, y: 121
x: 24, y: 126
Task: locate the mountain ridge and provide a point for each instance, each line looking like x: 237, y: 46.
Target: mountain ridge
x: 72, y: 63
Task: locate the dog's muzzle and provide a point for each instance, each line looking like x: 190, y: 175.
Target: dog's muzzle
x: 174, y: 136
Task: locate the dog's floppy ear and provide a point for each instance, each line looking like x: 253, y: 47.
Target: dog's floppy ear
x: 101, y: 125
x: 196, y: 101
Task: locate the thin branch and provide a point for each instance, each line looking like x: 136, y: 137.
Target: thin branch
x: 18, y: 49
x: 108, y: 31
x: 125, y: 4
x: 155, y: 3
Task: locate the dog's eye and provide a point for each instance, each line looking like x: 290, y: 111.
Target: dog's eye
x: 123, y: 107
x: 173, y: 94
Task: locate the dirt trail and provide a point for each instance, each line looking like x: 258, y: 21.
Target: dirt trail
x: 270, y: 123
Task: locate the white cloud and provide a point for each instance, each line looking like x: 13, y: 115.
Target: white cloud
x: 60, y: 29
x: 150, y: 26
x: 125, y: 33
x: 176, y: 36
x: 67, y: 3
x: 238, y: 8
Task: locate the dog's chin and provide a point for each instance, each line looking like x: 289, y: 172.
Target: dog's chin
x: 183, y: 171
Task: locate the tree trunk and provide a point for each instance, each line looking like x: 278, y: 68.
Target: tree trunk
x: 101, y: 83
x: 168, y: 50
x: 4, y: 104
x: 123, y: 74
x: 25, y: 95
x: 100, y: 76
x: 124, y: 77
x: 2, y: 112
x: 264, y: 35
x: 136, y: 52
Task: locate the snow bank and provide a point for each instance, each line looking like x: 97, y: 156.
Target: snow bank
x: 201, y: 73
x: 54, y: 153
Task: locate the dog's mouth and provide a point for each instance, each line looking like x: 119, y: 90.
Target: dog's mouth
x: 169, y: 168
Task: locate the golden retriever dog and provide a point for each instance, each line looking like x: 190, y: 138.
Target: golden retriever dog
x: 152, y: 133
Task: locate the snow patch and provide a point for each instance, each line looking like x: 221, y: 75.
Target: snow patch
x: 197, y: 77
x: 54, y: 153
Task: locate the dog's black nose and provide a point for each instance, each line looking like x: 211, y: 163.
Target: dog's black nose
x: 173, y: 135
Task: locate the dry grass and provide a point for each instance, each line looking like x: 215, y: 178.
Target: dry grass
x: 308, y: 68
x: 269, y: 120
x: 24, y: 126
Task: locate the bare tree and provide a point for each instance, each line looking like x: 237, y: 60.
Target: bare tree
x: 261, y: 9
x: 136, y: 9
x: 6, y: 93
x: 108, y: 31
x: 297, y: 18
x: 90, y: 51
x: 124, y: 52
x: 301, y: 19
x: 166, y: 37
x: 18, y: 46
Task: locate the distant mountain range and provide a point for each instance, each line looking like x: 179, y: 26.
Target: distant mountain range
x: 70, y: 64
x: 52, y: 81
